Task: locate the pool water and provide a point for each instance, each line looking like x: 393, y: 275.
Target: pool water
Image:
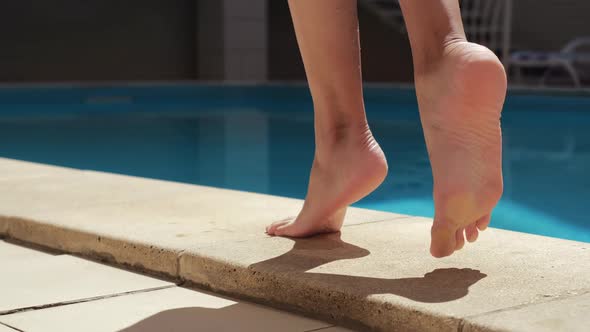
x: 266, y: 145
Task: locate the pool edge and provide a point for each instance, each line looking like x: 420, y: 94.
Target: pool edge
x: 233, y: 274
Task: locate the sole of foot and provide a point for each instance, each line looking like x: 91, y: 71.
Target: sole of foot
x: 460, y: 101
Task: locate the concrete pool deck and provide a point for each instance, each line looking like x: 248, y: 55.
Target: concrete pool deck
x: 376, y: 274
x: 79, y: 295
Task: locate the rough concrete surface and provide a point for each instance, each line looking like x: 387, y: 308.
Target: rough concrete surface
x: 31, y: 279
x: 377, y: 273
x: 4, y: 328
x: 382, y: 275
x: 138, y: 222
x: 567, y: 314
x: 166, y: 308
x: 172, y: 309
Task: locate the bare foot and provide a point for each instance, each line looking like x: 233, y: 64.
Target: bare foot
x: 460, y: 101
x: 347, y: 169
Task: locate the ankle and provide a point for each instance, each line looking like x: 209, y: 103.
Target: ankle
x: 331, y: 139
x: 342, y: 132
x: 429, y: 58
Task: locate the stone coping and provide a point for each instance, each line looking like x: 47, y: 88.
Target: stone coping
x: 376, y: 274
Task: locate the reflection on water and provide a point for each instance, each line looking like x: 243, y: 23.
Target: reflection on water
x: 546, y: 157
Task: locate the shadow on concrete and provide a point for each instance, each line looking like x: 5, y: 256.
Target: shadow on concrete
x: 236, y: 317
x: 439, y: 285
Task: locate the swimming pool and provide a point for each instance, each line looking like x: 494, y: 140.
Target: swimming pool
x: 260, y: 139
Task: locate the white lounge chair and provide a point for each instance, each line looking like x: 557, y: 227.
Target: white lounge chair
x: 567, y: 58
x: 489, y: 22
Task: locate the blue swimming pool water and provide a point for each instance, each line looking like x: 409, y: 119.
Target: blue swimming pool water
x: 261, y: 139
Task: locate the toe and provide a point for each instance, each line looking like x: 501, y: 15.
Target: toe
x: 471, y: 232
x: 272, y: 228
x: 459, y: 239
x: 483, y: 222
x: 444, y: 239
x: 292, y: 229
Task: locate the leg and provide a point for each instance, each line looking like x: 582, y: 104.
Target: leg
x: 348, y: 163
x: 460, y: 88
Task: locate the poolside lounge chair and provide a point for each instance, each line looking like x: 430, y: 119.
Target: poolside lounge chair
x: 489, y: 22
x: 567, y: 58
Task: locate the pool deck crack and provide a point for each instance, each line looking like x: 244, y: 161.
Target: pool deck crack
x: 88, y: 299
x: 11, y: 327
x: 461, y: 325
x: 556, y: 298
x: 178, y: 257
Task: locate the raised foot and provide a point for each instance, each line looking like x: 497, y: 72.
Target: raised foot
x: 460, y: 103
x: 351, y: 168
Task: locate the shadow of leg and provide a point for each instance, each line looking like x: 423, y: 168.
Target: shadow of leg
x: 243, y: 317
x: 440, y: 285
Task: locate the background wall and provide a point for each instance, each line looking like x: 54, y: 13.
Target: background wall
x: 549, y: 24
x: 65, y: 40
x: 386, y: 54
x: 72, y: 40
